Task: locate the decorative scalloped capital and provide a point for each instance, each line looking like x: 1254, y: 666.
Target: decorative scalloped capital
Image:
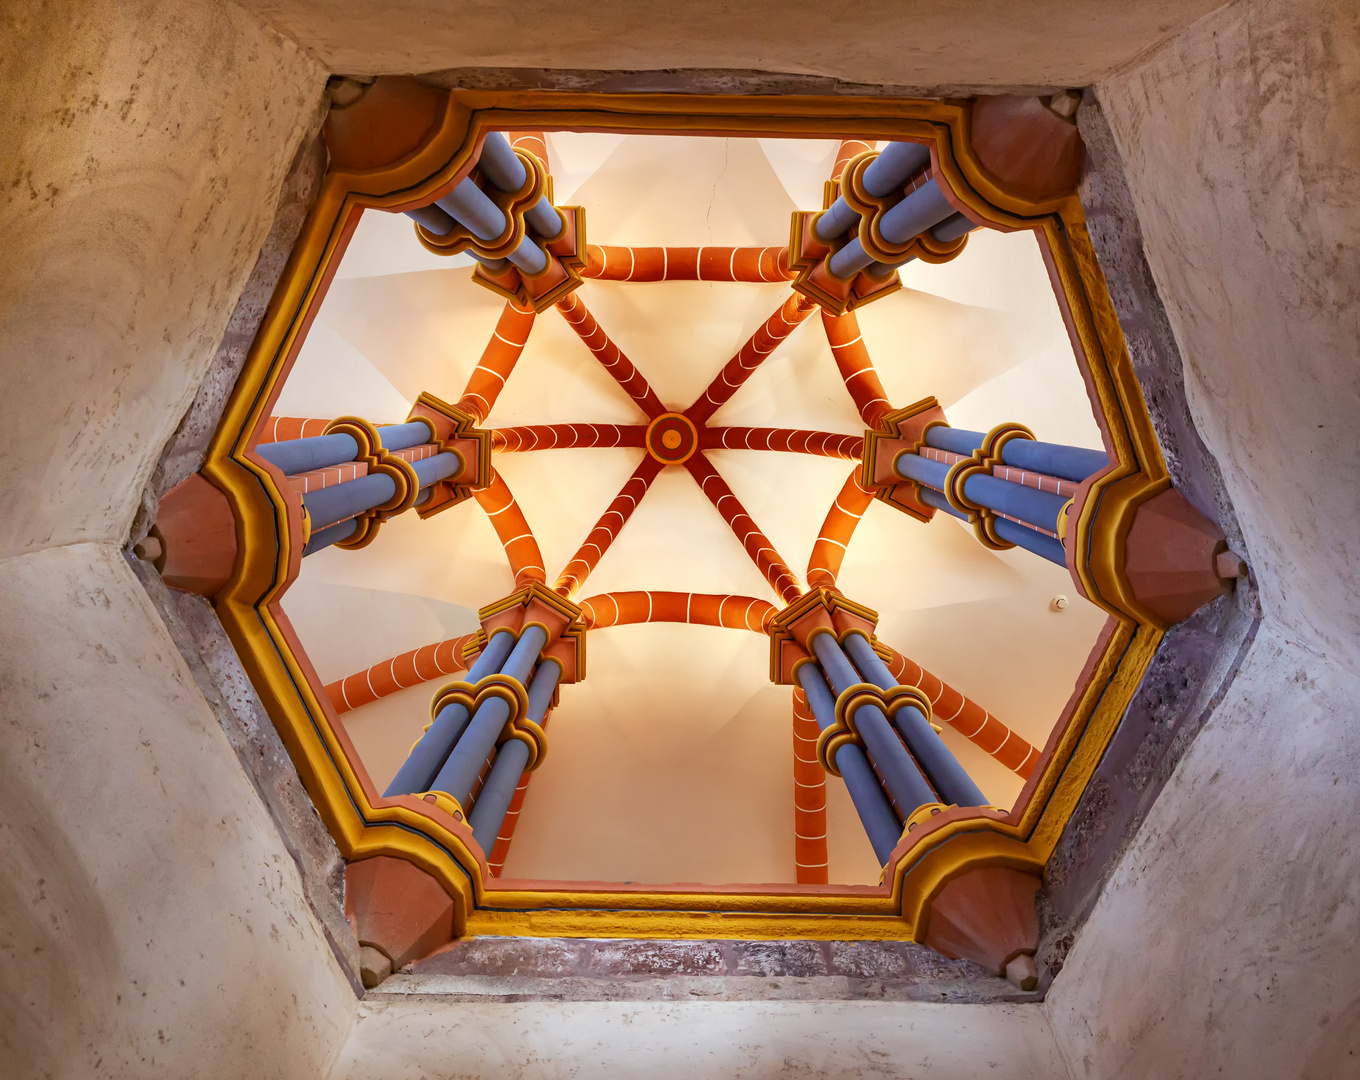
x: 536, y: 603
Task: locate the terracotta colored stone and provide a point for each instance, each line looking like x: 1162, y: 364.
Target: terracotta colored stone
x: 389, y: 121
x: 1031, y: 150
x: 1170, y: 557
x: 197, y: 531
x: 397, y: 908
x: 986, y: 915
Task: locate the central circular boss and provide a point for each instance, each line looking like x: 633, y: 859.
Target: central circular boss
x: 672, y: 438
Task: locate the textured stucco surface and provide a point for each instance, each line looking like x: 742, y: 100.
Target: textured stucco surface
x: 1225, y: 941
x: 412, y: 1040
x: 145, y: 145
x: 152, y: 919
x: 927, y: 44
x: 1242, y: 152
x: 152, y: 923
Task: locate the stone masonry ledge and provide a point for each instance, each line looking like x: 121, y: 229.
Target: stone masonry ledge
x: 571, y: 969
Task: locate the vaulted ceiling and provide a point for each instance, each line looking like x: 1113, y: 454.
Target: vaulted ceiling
x: 672, y: 761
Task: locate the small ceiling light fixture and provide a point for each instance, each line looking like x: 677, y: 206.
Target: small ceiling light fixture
x: 1058, y: 603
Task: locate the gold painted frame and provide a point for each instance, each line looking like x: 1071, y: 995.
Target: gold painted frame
x: 364, y: 825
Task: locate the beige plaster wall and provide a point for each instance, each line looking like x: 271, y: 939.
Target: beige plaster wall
x: 1225, y: 944
x: 152, y: 922
x: 1242, y: 152
x: 694, y: 1040
x: 145, y: 145
x: 929, y: 43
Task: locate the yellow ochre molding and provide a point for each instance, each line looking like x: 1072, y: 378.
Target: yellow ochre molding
x: 365, y: 825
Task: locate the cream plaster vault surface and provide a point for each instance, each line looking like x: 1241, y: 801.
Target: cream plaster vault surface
x: 685, y: 716
x: 1226, y: 942
x: 744, y: 1040
x: 929, y: 43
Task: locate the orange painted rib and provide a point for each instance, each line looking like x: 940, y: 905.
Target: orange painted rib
x: 417, y: 666
x: 526, y: 561
x: 498, y: 360
x: 701, y: 609
x: 757, y: 545
x: 852, y: 358
x: 618, y: 365
x: 849, y: 148
x: 809, y: 796
x: 785, y: 440
x: 283, y: 428
x: 573, y: 576
x: 751, y: 355
x: 687, y: 263
x: 829, y: 550
x: 967, y: 717
x: 531, y: 141
x: 566, y: 436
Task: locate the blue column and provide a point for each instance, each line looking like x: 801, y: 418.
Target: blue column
x: 901, y: 776
x: 465, y: 762
x: 504, y: 169
x: 1038, y: 508
x: 434, y: 219
x: 1054, y: 459
x: 919, y: 211
x: 420, y: 767
x: 347, y: 500
x: 955, y: 440
x: 879, y: 821
x: 500, y: 165
x: 303, y: 455
x: 431, y: 470
x: 946, y: 774
x: 931, y: 497
x: 888, y: 171
x: 926, y: 471
x: 494, y: 801
x: 483, y: 218
x: 328, y: 536
x: 1031, y: 540
x: 951, y: 228
x: 403, y: 436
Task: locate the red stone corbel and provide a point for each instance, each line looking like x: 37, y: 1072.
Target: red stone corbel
x: 1027, y: 145
x: 1177, y: 560
x: 988, y: 915
x: 396, y: 908
x: 193, y: 542
x: 389, y: 119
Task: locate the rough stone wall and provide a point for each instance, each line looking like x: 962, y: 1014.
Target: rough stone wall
x: 1225, y: 941
x: 570, y: 969
x: 152, y: 919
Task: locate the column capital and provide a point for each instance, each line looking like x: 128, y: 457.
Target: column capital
x: 455, y: 431
x: 537, y: 604
x: 900, y: 432
x: 819, y: 610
